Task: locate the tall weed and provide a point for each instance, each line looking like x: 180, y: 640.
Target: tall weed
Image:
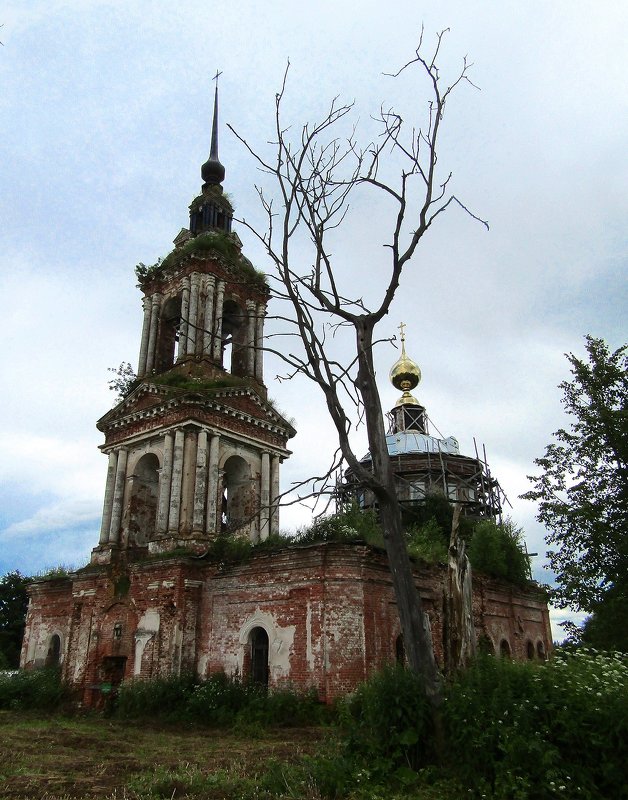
x: 39, y: 689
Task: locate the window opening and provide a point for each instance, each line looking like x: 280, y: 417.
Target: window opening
x: 400, y: 650
x: 143, y: 500
x: 169, y: 334
x: 53, y: 658
x: 237, y: 499
x: 259, y: 656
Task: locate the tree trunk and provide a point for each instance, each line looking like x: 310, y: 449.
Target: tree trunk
x: 414, y: 622
x: 460, y: 645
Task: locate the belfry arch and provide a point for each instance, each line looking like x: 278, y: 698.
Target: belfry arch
x: 238, y: 496
x: 234, y: 338
x: 169, y: 333
x: 142, y: 503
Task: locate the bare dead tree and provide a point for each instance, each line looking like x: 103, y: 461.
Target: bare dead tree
x: 314, y: 174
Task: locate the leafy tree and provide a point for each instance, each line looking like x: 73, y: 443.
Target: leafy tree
x: 125, y: 380
x: 13, y: 606
x: 498, y: 550
x: 582, y: 489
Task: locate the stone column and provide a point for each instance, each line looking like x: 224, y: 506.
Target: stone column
x: 208, y: 320
x: 264, y: 496
x: 118, y: 496
x: 187, y: 485
x: 259, y: 343
x: 185, y: 315
x: 141, y: 365
x: 212, y: 486
x: 220, y: 293
x: 274, y: 495
x: 193, y: 318
x: 200, y: 484
x: 152, y: 336
x: 165, y: 479
x: 250, y: 337
x: 108, y: 501
x: 175, y: 485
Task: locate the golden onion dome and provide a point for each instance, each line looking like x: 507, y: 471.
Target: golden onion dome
x: 405, y: 374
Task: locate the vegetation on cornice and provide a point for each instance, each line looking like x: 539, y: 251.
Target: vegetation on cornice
x: 177, y: 380
x: 214, y: 242
x: 217, y: 195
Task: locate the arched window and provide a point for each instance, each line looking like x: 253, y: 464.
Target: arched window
x: 540, y: 650
x: 530, y: 651
x: 504, y: 648
x: 258, y: 643
x: 238, y: 502
x: 400, y: 650
x: 53, y: 657
x: 143, y: 500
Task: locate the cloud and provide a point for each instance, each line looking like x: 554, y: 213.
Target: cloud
x: 62, y: 515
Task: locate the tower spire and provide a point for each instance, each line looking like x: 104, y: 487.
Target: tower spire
x: 212, y: 170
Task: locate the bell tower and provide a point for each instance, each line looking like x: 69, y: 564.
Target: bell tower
x: 194, y: 448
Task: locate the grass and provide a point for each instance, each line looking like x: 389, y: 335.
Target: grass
x: 53, y: 758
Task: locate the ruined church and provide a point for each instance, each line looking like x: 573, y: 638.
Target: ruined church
x: 194, y: 454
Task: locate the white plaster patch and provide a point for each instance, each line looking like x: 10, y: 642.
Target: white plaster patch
x: 280, y: 641
x: 147, y: 627
x: 309, y: 655
x: 84, y: 593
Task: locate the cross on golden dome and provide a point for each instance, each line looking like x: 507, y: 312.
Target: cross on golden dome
x: 405, y: 374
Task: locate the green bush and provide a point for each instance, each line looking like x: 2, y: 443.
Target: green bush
x: 160, y: 697
x: 351, y: 525
x: 39, y: 689
x: 219, y: 701
x: 519, y: 731
x: 427, y: 542
x: 498, y: 550
x: 388, y: 724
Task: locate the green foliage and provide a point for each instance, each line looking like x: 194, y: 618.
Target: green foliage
x: 213, y: 242
x: 225, y: 549
x: 39, y: 689
x: 351, y: 525
x: 498, y: 550
x: 219, y: 701
x: 524, y: 731
x: 427, y: 542
x: 388, y: 724
x: 582, y: 489
x: 13, y: 607
x: 603, y: 629
x: 125, y: 381
x: 161, y: 697
x: 181, y: 381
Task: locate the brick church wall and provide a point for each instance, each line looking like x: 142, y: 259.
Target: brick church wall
x: 329, y: 612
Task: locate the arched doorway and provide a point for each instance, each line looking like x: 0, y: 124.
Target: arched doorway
x: 258, y: 643
x: 504, y: 648
x: 143, y: 500
x: 237, y: 501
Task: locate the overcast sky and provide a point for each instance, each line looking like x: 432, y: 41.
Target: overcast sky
x: 105, y: 114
